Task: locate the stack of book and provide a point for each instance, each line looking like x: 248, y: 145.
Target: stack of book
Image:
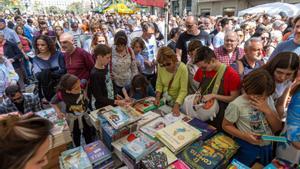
x: 147, y: 117
x: 60, y: 131
x: 99, y: 156
x: 178, y: 135
x: 151, y: 128
x: 159, y: 159
x: 75, y: 158
x: 119, y: 117
x: 94, y: 115
x: 214, y: 153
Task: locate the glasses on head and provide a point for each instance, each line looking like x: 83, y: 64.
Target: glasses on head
x: 165, y: 64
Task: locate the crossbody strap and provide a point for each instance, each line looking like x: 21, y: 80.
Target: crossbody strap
x: 171, y: 81
x: 221, y: 72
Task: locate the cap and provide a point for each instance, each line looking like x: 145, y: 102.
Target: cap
x: 2, y: 21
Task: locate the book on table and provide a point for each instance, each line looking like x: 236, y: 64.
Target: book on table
x: 178, y: 135
x: 160, y: 158
x: 206, y: 129
x: 146, y: 104
x: 140, y: 147
x: 97, y: 152
x: 199, y: 156
x: 178, y: 164
x: 151, y: 128
x: 75, y: 158
x: 147, y: 117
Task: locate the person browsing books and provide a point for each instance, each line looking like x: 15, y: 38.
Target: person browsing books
x: 172, y: 80
x: 251, y: 115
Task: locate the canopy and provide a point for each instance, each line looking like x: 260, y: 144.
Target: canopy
x: 120, y: 8
x: 272, y: 9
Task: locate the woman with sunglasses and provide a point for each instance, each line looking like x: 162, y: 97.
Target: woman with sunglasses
x: 172, y: 80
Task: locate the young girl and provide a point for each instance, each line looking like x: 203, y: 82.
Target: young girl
x: 140, y: 88
x: 251, y: 115
x: 69, y: 91
x: 138, y: 46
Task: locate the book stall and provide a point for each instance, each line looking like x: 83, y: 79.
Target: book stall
x: 144, y: 136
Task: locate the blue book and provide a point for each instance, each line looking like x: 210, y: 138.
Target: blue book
x: 75, y: 158
x: 206, y: 130
x: 97, y: 152
x: 118, y: 118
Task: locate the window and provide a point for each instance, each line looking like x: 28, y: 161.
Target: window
x: 229, y: 11
x: 205, y: 11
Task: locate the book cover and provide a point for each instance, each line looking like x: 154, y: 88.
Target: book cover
x: 151, y: 128
x: 145, y: 105
x: 280, y: 164
x: 178, y: 164
x: 118, y: 144
x: 147, y: 117
x: 159, y: 159
x: 224, y: 144
x: 97, y: 152
x: 140, y: 147
x: 199, y: 156
x: 206, y: 129
x: 177, y: 135
x: 133, y: 113
x: 163, y: 110
x: 171, y: 118
x: 274, y: 138
x: 235, y: 164
x: 75, y: 159
x: 117, y: 117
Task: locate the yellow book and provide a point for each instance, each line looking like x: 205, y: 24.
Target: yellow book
x: 177, y: 135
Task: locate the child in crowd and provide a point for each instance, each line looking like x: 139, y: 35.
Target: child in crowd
x: 101, y: 85
x: 69, y: 92
x: 140, y: 88
x: 251, y: 115
x: 138, y: 46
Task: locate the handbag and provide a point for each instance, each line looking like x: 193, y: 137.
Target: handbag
x: 194, y: 105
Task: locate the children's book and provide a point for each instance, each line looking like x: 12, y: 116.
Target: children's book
x: 274, y: 138
x: 159, y: 159
x: 97, y: 152
x: 117, y: 117
x: 151, y: 128
x: 75, y: 159
x: 177, y: 135
x: 145, y: 105
x: 235, y: 164
x: 147, y: 117
x: 140, y: 147
x: 199, y: 156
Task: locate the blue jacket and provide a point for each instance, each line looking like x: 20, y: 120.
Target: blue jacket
x: 12, y: 51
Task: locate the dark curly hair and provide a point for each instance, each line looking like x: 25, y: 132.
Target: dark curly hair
x: 50, y: 43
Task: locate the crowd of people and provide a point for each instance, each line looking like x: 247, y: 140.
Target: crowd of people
x: 248, y: 66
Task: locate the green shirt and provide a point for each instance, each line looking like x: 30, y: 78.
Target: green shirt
x: 178, y: 89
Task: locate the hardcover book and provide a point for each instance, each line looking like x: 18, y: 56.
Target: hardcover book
x: 151, y: 128
x: 199, y: 156
x: 75, y: 159
x: 206, y: 129
x: 145, y: 105
x: 117, y: 117
x: 97, y: 152
x: 147, y: 117
x: 224, y: 144
x: 177, y: 135
x: 140, y: 147
x: 159, y: 159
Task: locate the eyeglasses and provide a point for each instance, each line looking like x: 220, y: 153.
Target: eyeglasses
x: 264, y: 38
x: 189, y: 26
x: 165, y: 64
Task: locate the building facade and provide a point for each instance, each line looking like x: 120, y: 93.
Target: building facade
x: 217, y: 7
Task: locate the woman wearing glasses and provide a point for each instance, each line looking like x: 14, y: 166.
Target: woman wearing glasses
x: 172, y: 80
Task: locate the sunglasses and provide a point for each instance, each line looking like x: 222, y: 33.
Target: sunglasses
x: 165, y: 64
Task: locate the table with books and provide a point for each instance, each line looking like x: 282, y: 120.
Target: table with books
x: 143, y: 136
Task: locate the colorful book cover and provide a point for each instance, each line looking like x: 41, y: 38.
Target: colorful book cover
x: 224, y: 144
x: 177, y: 135
x: 97, y: 152
x: 280, y: 164
x: 117, y: 117
x: 151, y: 128
x: 159, y: 159
x: 145, y: 105
x: 206, y: 129
x: 178, y: 164
x: 274, y: 138
x: 235, y: 164
x: 199, y: 156
x: 140, y: 147
x: 75, y: 159
x: 133, y: 113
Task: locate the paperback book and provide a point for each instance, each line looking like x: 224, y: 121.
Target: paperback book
x: 147, y: 117
x: 178, y: 164
x: 151, y: 128
x: 97, y: 152
x: 178, y: 135
x: 117, y: 117
x: 159, y: 159
x: 145, y: 105
x: 206, y: 130
x: 75, y: 158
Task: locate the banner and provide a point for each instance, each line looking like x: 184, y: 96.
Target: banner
x: 155, y: 3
